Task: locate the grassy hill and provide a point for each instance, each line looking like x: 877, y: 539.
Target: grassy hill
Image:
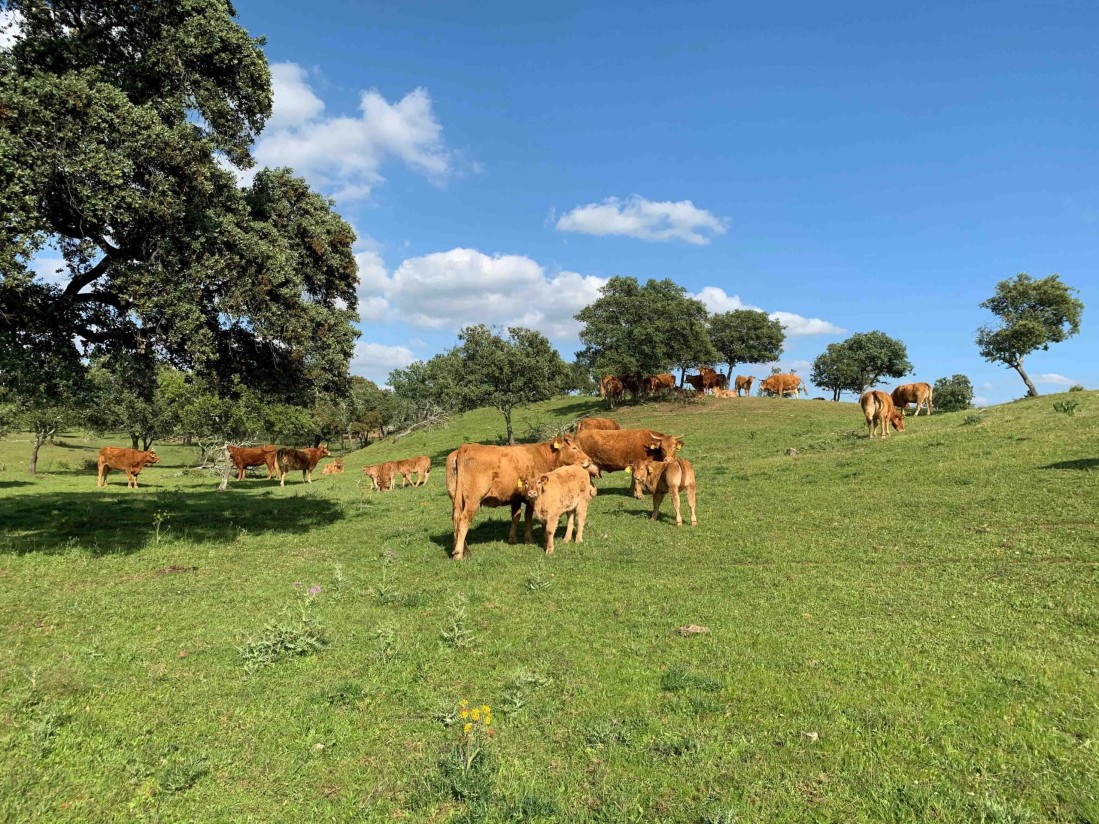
x: 900, y: 630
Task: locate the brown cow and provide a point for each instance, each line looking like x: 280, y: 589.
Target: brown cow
x: 489, y: 476
x: 420, y: 465
x: 632, y: 384
x: 246, y: 456
x: 661, y: 477
x: 709, y: 379
x: 304, y: 459
x: 373, y: 472
x: 610, y: 388
x: 130, y: 461
x: 878, y: 408
x: 781, y: 384
x: 697, y: 381
x: 566, y: 490
x: 744, y: 383
x: 654, y: 383
x: 334, y: 468
x: 917, y: 393
x: 614, y: 450
x: 725, y: 393
x: 597, y: 423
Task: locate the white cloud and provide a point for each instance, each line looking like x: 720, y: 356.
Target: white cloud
x: 375, y: 360
x: 979, y: 400
x: 9, y: 28
x: 645, y: 219
x: 342, y: 154
x: 449, y: 290
x: 1055, y: 379
x: 717, y: 300
x: 797, y: 325
x: 46, y: 269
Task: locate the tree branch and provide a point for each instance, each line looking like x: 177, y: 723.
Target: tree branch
x: 92, y: 275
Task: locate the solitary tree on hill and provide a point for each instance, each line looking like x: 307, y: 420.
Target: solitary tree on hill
x: 1033, y: 314
x: 746, y: 336
x: 953, y: 394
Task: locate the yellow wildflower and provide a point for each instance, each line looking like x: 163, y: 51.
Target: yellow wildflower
x: 464, y: 713
x: 463, y: 703
x: 467, y: 728
x: 476, y: 713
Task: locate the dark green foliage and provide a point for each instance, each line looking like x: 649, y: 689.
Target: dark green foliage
x: 1032, y: 315
x: 112, y: 120
x: 635, y: 331
x: 1066, y: 407
x: 746, y: 336
x: 181, y: 773
x: 282, y: 639
x: 953, y: 394
x: 860, y: 362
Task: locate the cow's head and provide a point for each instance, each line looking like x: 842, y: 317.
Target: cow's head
x: 663, y: 447
x: 322, y: 451
x: 152, y: 457
x: 897, y: 419
x: 567, y: 452
x: 639, y: 472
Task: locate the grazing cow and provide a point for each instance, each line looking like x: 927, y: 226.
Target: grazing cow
x: 878, y: 408
x: 566, y: 490
x: 489, y: 476
x: 597, y: 423
x: 917, y: 393
x: 744, y: 383
x: 130, y: 461
x: 782, y: 384
x: 420, y: 465
x: 610, y: 388
x: 304, y: 459
x: 246, y: 456
x: 334, y: 468
x: 661, y: 477
x: 654, y: 383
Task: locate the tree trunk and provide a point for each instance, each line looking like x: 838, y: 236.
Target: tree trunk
x: 133, y: 441
x: 40, y: 437
x: 511, y: 435
x: 1018, y: 367
x: 147, y: 441
x: 317, y: 441
x: 187, y: 439
x: 835, y: 394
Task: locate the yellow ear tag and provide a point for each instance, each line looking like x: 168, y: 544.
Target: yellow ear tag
x: 629, y: 470
x: 557, y: 444
x: 519, y: 484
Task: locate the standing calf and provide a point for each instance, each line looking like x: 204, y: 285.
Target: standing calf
x: 566, y: 490
x: 661, y: 477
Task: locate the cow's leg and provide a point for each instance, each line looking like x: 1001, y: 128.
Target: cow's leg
x: 513, y: 535
x: 101, y: 476
x: 551, y: 527
x: 658, y: 499
x: 570, y: 524
x: 675, y: 503
x: 282, y: 477
x: 423, y: 477
x: 691, y: 503
x: 581, y: 517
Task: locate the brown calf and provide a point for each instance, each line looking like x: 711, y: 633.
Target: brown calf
x: 745, y: 383
x: 878, y: 409
x: 564, y: 491
x: 661, y: 477
x: 130, y: 461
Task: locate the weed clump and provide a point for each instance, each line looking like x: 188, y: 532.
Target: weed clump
x: 285, y: 638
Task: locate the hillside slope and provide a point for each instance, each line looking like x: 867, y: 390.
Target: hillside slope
x: 900, y: 630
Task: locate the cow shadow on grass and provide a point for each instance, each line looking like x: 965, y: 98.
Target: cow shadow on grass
x: 106, y: 524
x: 490, y: 532
x: 10, y: 484
x: 1080, y: 463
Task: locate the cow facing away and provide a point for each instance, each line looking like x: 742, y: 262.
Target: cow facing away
x: 661, y: 477
x: 130, y: 461
x: 597, y: 423
x: 565, y: 491
x: 878, y: 409
x: 246, y: 456
x: 610, y: 388
x: 745, y: 383
x: 489, y: 476
x: 304, y: 459
x: 917, y: 393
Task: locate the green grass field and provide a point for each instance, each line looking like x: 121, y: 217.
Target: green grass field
x: 903, y: 630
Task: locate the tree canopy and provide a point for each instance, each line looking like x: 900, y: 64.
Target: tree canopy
x: 746, y: 336
x: 860, y: 362
x: 1032, y: 314
x: 117, y: 123
x: 953, y: 394
x: 633, y: 331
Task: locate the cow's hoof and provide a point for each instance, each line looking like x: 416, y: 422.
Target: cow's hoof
x: 694, y: 523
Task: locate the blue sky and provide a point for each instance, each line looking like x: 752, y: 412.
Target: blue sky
x: 864, y: 166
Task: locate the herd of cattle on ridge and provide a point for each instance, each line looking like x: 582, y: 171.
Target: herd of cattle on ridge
x: 548, y: 479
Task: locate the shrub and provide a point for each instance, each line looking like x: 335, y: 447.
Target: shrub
x: 953, y: 394
x: 281, y: 639
x: 1066, y: 407
x: 1079, y: 387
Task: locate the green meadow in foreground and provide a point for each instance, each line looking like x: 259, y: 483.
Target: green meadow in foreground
x: 903, y: 630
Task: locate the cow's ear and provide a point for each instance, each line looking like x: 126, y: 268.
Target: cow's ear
x: 629, y: 470
x: 543, y: 479
x: 557, y: 443
x: 679, y: 441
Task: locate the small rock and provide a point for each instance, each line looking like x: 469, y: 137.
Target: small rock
x: 793, y: 453
x: 693, y: 629
x: 318, y: 746
x: 812, y: 736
